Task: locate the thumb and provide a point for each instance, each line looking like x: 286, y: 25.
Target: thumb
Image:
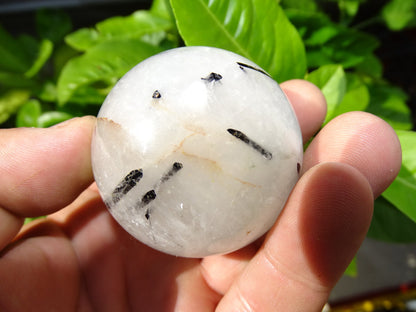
x: 42, y: 170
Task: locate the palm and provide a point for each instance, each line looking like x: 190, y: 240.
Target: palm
x: 120, y: 271
x: 123, y: 274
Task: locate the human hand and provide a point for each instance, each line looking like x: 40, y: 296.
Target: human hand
x: 80, y: 259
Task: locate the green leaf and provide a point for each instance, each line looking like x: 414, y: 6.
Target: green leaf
x: 350, y: 47
x: 162, y: 8
x: 352, y: 270
x: 28, y: 220
x: 91, y: 95
x: 330, y: 43
x: 255, y: 29
x: 371, y: 66
x: 47, y: 92
x: 322, y: 35
x: 62, y: 54
x: 29, y: 46
x: 83, y: 39
x: 15, y: 80
x: 12, y: 54
x: 390, y: 224
x: 332, y: 81
x: 53, y: 24
x: 135, y: 26
x: 44, y: 53
x: 309, y: 21
x: 402, y: 192
x: 356, y: 97
x: 399, y: 14
x: 302, y: 5
x: 389, y: 102
x: 349, y: 7
x: 28, y: 114
x: 105, y: 62
x: 10, y: 102
x: 48, y: 119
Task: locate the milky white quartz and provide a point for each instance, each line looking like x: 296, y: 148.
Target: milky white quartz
x: 195, y: 151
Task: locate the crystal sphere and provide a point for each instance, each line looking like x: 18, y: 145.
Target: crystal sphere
x: 195, y: 151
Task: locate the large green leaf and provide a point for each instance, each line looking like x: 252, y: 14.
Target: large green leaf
x: 402, y: 192
x: 256, y: 29
x: 105, y: 62
x: 332, y: 81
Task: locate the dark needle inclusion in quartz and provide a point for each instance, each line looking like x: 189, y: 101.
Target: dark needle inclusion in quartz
x: 126, y: 184
x: 241, y: 136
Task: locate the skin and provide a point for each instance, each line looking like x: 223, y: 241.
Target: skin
x: 79, y: 258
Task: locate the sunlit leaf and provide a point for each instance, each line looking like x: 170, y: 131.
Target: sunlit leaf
x: 402, y: 192
x: 83, y: 39
x: 48, y: 119
x: 107, y: 61
x: 10, y: 102
x: 28, y: 114
x: 44, y: 53
x: 349, y: 7
x: 399, y: 14
x: 163, y: 9
x: 356, y: 97
x: 256, y: 29
x: 140, y: 23
x: 332, y: 81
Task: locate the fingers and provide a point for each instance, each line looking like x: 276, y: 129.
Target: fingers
x: 317, y: 234
x: 370, y: 149
x: 41, y: 171
x: 9, y: 226
x: 308, y: 103
x: 363, y: 141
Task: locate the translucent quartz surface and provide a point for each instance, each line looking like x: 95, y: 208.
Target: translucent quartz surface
x: 195, y: 151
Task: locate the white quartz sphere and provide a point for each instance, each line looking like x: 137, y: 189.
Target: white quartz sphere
x: 195, y: 151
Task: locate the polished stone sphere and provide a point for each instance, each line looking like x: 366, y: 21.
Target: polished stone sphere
x: 196, y: 151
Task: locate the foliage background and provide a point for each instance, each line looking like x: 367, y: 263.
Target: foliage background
x: 351, y: 49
